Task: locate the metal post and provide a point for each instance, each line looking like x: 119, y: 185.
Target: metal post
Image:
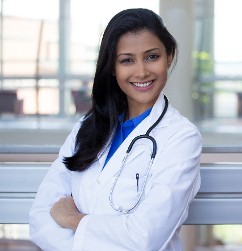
x: 64, y: 38
x: 177, y: 15
x: 37, y: 66
x: 1, y: 45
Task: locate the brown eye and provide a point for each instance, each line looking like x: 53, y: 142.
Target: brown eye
x: 126, y: 61
x: 153, y: 57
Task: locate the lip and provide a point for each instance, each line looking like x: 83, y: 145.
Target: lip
x: 144, y: 85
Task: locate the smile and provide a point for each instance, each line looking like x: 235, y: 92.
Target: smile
x: 142, y: 85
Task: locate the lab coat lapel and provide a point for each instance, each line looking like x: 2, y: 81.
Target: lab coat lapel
x: 114, y: 164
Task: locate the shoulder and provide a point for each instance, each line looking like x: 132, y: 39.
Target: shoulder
x: 177, y: 120
x: 176, y: 127
x: 183, y: 133
x: 172, y: 119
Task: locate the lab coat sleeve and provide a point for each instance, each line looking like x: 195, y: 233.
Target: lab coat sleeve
x: 44, y: 232
x: 174, y: 183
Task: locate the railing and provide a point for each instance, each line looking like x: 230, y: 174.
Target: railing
x: 219, y: 200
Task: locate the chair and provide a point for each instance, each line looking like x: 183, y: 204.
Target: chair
x: 81, y: 100
x: 9, y: 102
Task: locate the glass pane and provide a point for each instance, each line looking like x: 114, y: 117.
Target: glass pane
x: 15, y: 237
x: 227, y: 39
x: 229, y: 236
x: 86, y: 32
x: 32, y: 9
x: 40, y: 97
x: 29, y: 46
x: 219, y: 238
x: 218, y: 62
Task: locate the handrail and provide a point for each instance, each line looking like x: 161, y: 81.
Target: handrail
x: 48, y: 153
x: 54, y: 149
x: 215, y: 154
x: 28, y: 153
x: 219, y: 200
x: 31, y: 149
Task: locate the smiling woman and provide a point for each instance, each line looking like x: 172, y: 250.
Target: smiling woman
x: 126, y: 142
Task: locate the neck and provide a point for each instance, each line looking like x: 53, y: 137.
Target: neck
x: 137, y: 108
x: 132, y: 113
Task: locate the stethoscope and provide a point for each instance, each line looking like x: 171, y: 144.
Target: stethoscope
x: 154, y: 150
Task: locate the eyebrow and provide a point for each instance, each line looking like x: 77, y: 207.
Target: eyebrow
x: 131, y: 54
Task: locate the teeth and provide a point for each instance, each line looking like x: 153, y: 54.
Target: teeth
x: 142, y: 84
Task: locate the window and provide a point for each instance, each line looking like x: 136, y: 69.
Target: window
x: 218, y: 60
x: 49, y: 50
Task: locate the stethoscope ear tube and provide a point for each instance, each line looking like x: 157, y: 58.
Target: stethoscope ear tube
x: 144, y: 137
x: 147, y: 136
x: 160, y: 118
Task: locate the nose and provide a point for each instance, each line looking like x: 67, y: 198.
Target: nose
x: 141, y: 70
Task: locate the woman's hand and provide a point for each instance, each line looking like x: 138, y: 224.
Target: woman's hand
x: 65, y: 213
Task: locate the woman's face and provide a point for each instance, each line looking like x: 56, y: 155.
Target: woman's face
x: 141, y: 68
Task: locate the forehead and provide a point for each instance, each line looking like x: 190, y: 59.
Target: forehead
x: 140, y: 41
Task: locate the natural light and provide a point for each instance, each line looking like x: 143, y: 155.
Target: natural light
x: 228, y: 37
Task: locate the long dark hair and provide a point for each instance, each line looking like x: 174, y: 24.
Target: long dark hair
x: 108, y: 101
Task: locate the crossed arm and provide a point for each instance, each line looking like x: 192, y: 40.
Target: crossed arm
x: 65, y: 213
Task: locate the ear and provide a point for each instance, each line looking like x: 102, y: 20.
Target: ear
x: 169, y: 61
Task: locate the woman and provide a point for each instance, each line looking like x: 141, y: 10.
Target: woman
x: 91, y: 199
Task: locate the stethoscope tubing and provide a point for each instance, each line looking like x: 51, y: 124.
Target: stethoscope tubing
x: 154, y: 150
x: 144, y: 137
x: 120, y: 209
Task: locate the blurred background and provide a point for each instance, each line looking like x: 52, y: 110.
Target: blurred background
x: 48, y: 52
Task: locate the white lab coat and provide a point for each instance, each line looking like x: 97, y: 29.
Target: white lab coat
x: 154, y: 224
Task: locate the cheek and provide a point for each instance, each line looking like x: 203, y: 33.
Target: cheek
x: 162, y: 78
x: 121, y: 77
x: 122, y: 85
x: 161, y: 68
x: 162, y: 73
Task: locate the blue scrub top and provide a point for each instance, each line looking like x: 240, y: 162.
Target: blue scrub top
x: 123, y: 130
